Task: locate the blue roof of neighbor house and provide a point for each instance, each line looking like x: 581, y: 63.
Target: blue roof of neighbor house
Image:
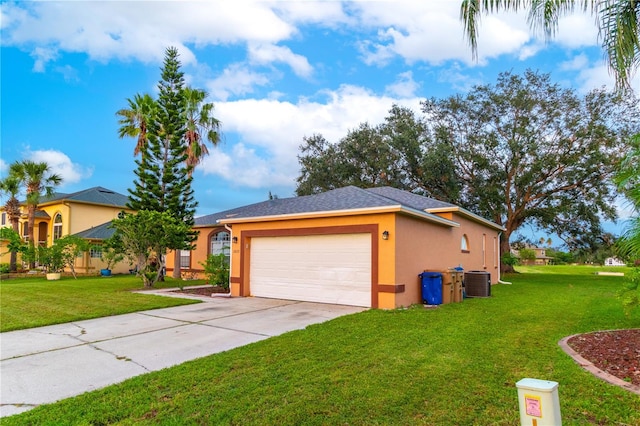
x: 100, y: 232
x: 347, y: 198
x: 95, y: 195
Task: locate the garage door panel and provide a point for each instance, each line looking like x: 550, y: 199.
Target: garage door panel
x: 320, y: 268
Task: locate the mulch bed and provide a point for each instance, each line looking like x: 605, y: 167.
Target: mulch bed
x: 615, y: 352
x: 202, y: 291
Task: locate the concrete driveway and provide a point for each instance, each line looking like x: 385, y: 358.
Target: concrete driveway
x: 46, y: 364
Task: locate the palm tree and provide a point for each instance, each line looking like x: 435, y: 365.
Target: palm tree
x: 134, y: 121
x: 618, y: 25
x: 10, y: 186
x: 39, y: 181
x: 628, y: 180
x: 201, y: 125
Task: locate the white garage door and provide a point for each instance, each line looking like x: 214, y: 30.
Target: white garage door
x: 318, y: 268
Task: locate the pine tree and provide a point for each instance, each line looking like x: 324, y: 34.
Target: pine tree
x: 163, y: 178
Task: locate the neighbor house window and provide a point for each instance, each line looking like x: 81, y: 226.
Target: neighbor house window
x: 25, y: 230
x: 57, y: 227
x: 220, y: 243
x: 95, y: 252
x: 464, y: 244
x: 185, y: 259
x: 4, y: 219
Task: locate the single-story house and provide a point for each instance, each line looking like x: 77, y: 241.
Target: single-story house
x: 614, y: 261
x: 352, y: 246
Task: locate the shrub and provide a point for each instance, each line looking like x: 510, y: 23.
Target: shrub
x: 4, y: 268
x: 216, y: 269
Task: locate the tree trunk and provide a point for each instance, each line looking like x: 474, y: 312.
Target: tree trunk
x: 504, y: 249
x: 31, y: 221
x: 176, y: 264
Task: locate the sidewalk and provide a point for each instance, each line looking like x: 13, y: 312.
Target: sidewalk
x: 46, y: 364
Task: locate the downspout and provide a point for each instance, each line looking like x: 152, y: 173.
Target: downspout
x: 499, y: 262
x: 228, y: 228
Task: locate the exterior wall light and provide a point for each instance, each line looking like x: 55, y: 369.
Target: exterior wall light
x: 385, y: 235
x: 235, y: 240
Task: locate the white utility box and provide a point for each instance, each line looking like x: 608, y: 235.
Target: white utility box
x: 539, y: 403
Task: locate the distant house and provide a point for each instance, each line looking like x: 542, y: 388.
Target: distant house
x: 352, y: 246
x: 613, y: 261
x: 541, y: 257
x: 86, y: 213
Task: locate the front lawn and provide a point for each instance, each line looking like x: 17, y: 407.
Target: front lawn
x: 454, y: 365
x: 33, y: 302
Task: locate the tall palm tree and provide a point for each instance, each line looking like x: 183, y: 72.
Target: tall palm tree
x: 39, y: 181
x: 10, y: 186
x: 618, y: 25
x: 201, y: 125
x: 134, y: 121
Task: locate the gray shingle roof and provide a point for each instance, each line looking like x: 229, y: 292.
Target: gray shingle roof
x: 347, y: 198
x: 100, y: 232
x: 95, y: 195
x: 410, y: 199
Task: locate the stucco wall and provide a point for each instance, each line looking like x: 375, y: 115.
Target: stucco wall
x: 413, y: 246
x: 421, y: 246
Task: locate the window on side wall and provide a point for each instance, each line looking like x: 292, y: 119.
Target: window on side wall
x: 464, y: 244
x: 4, y: 219
x: 185, y: 259
x: 57, y: 227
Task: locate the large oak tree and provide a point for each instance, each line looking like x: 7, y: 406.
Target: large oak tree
x: 529, y: 151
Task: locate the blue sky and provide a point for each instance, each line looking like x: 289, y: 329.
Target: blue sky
x: 276, y: 72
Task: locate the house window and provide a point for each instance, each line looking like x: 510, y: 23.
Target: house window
x: 3, y: 221
x: 57, y: 227
x: 464, y: 244
x: 185, y: 259
x: 25, y: 230
x: 95, y: 252
x: 220, y: 244
x: 484, y: 251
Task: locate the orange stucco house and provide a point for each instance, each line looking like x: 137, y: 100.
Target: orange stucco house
x: 352, y: 246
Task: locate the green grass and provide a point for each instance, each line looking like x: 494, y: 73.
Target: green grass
x: 454, y: 365
x: 34, y: 302
x: 570, y: 269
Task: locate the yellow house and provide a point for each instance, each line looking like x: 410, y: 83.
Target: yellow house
x: 76, y: 213
x: 352, y: 246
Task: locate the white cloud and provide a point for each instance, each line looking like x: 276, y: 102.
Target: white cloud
x: 3, y: 167
x: 270, y: 132
x: 136, y: 30
x: 577, y: 63
x: 61, y: 164
x: 268, y: 53
x: 458, y: 80
x: 432, y: 32
x: 236, y: 80
x: 404, y: 87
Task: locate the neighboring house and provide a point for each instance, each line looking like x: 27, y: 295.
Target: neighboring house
x: 540, y: 253
x: 613, y: 261
x: 352, y: 246
x: 77, y: 213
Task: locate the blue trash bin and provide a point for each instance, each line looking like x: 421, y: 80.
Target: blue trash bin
x: 431, y: 288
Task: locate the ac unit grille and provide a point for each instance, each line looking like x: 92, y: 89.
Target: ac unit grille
x: 477, y: 283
